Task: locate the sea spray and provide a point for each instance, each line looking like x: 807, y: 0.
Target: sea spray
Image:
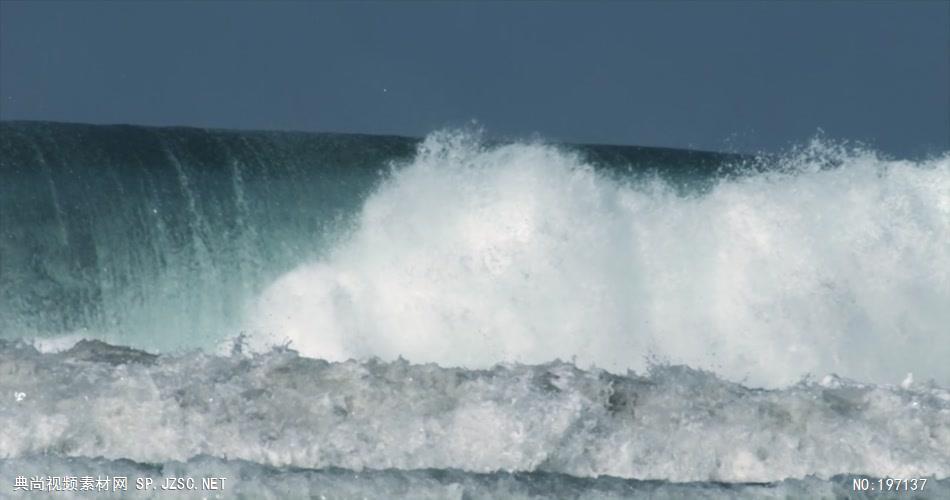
x: 832, y: 260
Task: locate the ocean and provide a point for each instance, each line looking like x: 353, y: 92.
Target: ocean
x: 354, y: 316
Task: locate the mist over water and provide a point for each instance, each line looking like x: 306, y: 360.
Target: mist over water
x: 828, y: 260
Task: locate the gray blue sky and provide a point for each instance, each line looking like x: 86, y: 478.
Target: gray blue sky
x: 743, y: 76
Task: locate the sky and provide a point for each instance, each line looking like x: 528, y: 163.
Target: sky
x: 734, y: 76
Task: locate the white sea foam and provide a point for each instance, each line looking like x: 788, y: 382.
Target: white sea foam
x: 279, y: 409
x: 250, y: 480
x: 59, y: 343
x: 471, y: 255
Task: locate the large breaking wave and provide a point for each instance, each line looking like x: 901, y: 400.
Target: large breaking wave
x: 526, y: 320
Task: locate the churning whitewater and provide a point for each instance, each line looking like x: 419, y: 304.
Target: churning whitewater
x: 381, y: 317
x: 472, y: 254
x: 279, y: 409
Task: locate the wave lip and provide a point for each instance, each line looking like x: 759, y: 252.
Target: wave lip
x: 282, y: 410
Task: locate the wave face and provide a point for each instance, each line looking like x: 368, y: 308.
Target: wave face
x: 701, y: 304
x: 147, y: 236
